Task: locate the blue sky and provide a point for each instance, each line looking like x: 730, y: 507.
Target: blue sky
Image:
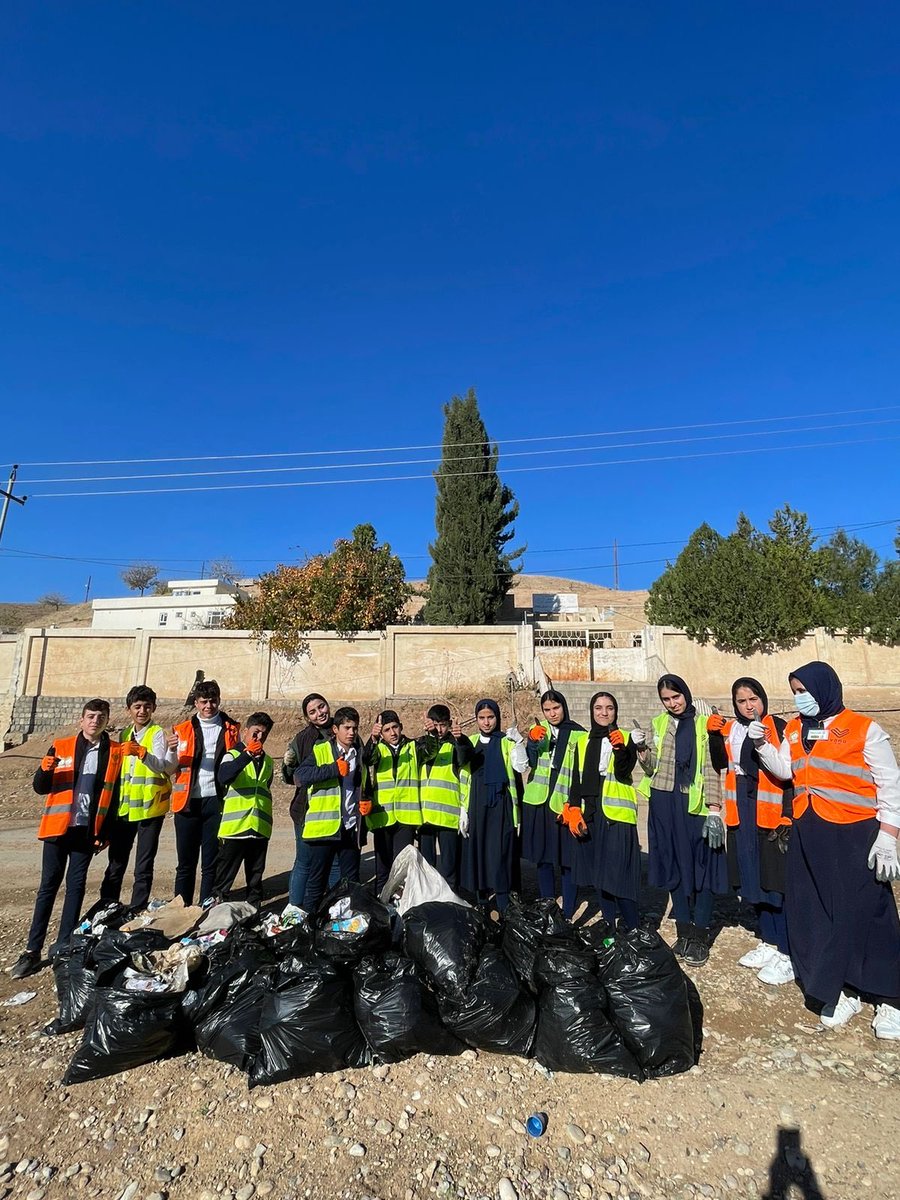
x: 275, y: 229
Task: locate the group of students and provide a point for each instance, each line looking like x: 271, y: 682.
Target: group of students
x: 800, y: 817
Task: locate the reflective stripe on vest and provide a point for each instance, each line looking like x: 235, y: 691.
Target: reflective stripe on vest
x: 323, y: 817
x: 143, y: 794
x: 769, y: 793
x: 396, y: 798
x: 834, y: 775
x: 248, y: 801
x: 439, y: 790
x: 618, y: 800
x: 181, y: 789
x: 695, y: 793
x: 537, y: 788
x: 465, y: 777
x: 58, y: 805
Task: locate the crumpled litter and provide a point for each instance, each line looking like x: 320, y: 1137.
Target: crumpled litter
x: 18, y: 998
x: 206, y: 940
x: 224, y: 915
x: 274, y: 923
x: 342, y: 918
x: 173, y: 919
x: 136, y: 981
x: 171, y: 967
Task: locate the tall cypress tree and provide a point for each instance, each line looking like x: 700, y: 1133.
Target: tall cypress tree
x: 474, y: 513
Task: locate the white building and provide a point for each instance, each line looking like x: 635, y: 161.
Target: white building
x: 189, y: 604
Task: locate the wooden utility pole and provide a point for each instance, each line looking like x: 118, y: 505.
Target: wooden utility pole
x: 615, y: 564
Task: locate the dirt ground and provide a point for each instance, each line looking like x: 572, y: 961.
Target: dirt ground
x: 777, y: 1107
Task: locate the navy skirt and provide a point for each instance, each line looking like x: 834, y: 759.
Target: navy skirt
x: 679, y: 857
x: 617, y: 858
x: 542, y: 835
x: 842, y: 923
x: 756, y: 867
x: 577, y: 855
x: 487, y: 853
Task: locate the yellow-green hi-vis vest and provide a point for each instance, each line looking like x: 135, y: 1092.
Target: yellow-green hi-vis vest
x: 537, y: 790
x: 248, y: 801
x: 465, y: 777
x: 396, y: 779
x: 323, y: 816
x: 696, y: 797
x: 618, y: 800
x: 439, y: 790
x: 143, y: 794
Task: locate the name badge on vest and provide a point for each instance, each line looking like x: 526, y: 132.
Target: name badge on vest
x: 818, y: 735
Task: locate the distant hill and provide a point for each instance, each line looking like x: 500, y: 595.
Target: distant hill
x: 14, y: 617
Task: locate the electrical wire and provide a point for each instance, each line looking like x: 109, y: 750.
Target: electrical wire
x: 103, y: 462
x: 412, y: 462
x: 295, y: 483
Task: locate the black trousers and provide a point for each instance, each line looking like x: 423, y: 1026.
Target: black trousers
x: 197, y: 840
x: 433, y: 838
x: 74, y: 850
x: 322, y: 854
x: 122, y: 837
x: 234, y: 853
x: 389, y: 841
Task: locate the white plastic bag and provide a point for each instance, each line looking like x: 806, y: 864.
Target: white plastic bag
x: 417, y: 882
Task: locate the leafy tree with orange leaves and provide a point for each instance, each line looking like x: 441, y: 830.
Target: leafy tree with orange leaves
x: 360, y: 585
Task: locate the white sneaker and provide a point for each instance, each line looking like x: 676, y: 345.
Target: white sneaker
x: 840, y: 1013
x: 759, y: 956
x: 887, y: 1022
x: 779, y: 970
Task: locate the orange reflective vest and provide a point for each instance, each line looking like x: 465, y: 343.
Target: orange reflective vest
x: 187, y: 748
x: 58, y: 805
x: 770, y: 791
x: 833, y: 775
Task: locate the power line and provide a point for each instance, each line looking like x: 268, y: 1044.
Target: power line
x: 105, y: 462
x: 296, y: 483
x: 411, y: 462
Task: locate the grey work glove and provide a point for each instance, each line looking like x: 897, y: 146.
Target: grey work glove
x: 714, y: 831
x: 780, y: 836
x: 290, y: 757
x: 883, y: 857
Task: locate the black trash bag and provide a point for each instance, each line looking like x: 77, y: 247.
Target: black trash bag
x: 296, y: 940
x: 225, y: 1012
x: 307, y: 1024
x: 125, y: 1030
x: 524, y: 925
x: 563, y: 958
x: 647, y: 999
x: 110, y: 913
x: 113, y: 950
x: 397, y: 1012
x: 496, y: 1012
x: 75, y: 983
x: 245, y: 943
x: 445, y: 940
x: 347, y: 946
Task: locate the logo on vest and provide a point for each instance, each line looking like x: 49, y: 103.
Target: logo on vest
x: 839, y: 734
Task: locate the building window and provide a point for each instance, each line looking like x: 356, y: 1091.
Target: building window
x: 215, y: 618
x: 163, y: 618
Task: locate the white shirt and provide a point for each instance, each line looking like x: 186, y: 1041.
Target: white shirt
x: 737, y: 735
x: 205, y: 782
x: 878, y: 757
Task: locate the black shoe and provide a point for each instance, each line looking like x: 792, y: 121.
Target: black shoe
x: 53, y: 1029
x: 28, y: 964
x: 685, y: 935
x: 697, y: 952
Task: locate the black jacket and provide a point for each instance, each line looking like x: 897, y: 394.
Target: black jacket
x: 43, y: 785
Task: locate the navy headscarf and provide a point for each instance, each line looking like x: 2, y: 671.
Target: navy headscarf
x: 685, y: 736
x: 823, y: 684
x: 590, y: 781
x: 563, y: 729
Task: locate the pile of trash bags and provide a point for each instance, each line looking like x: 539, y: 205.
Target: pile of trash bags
x: 366, y: 979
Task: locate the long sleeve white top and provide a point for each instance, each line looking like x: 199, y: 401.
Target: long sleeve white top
x: 878, y: 757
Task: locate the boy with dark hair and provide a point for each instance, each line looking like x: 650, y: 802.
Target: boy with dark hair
x: 333, y: 827
x: 441, y: 751
x: 246, y: 826
x: 143, y: 800
x: 394, y: 812
x: 195, y: 749
x: 80, y: 777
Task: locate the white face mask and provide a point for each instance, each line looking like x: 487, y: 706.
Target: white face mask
x: 806, y: 704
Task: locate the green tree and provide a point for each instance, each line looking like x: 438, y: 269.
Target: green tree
x: 884, y: 622
x: 471, y: 567
x: 846, y: 580
x: 360, y: 585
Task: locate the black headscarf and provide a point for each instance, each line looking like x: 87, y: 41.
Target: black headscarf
x: 494, y: 768
x: 590, y: 781
x: 563, y: 729
x: 823, y: 684
x: 749, y: 759
x: 685, y: 736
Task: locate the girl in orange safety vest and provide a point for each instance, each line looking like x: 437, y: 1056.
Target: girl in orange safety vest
x: 842, y: 857
x: 758, y: 818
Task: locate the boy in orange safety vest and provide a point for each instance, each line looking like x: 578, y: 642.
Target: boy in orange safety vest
x: 80, y: 777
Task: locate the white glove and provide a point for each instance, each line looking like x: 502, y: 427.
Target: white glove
x: 290, y: 757
x: 638, y: 738
x: 464, y: 822
x: 756, y: 732
x: 514, y: 735
x: 883, y: 857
